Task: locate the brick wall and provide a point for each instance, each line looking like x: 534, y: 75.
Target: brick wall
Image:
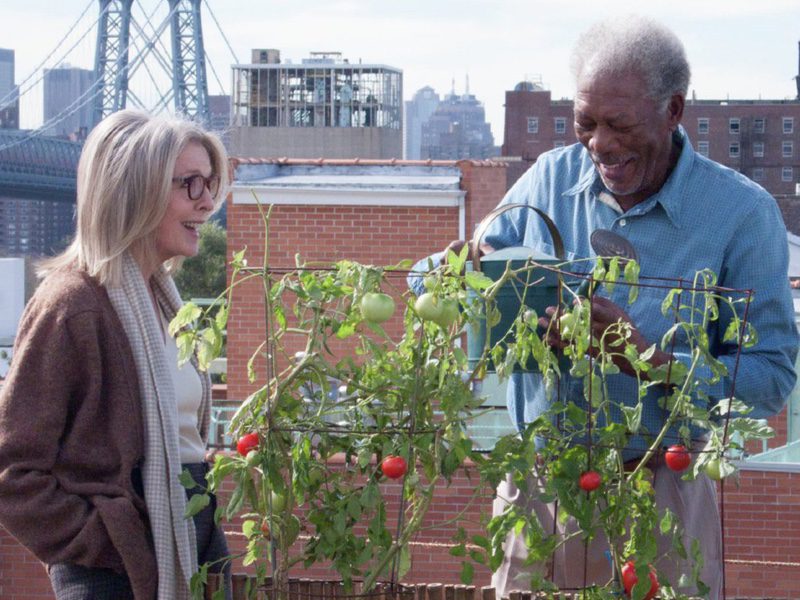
x: 762, y: 520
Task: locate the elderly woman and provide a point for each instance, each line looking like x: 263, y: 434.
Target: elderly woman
x: 97, y: 421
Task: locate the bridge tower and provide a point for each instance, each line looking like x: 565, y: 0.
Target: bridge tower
x: 113, y: 68
x: 111, y: 57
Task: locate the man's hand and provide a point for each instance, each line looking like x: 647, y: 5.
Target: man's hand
x: 609, y: 319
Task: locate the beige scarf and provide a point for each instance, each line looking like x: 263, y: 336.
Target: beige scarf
x: 173, y: 534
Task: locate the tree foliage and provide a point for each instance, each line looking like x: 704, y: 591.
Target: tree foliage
x: 203, y: 276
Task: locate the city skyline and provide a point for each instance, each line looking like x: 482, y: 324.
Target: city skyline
x: 738, y: 49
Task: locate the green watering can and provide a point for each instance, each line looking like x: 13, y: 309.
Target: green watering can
x: 542, y: 286
x: 539, y: 287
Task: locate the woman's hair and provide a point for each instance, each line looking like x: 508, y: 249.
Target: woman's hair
x: 124, y: 184
x: 634, y: 44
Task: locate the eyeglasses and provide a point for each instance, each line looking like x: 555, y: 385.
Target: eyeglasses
x: 196, y: 184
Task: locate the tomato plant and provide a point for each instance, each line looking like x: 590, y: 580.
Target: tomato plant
x: 377, y: 307
x: 394, y: 467
x: 590, y: 481
x: 677, y: 457
x: 246, y: 443
x: 329, y: 395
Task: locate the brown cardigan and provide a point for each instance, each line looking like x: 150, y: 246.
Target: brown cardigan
x: 71, y: 435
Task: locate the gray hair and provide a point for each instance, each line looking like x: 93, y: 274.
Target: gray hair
x: 634, y: 44
x: 124, y: 182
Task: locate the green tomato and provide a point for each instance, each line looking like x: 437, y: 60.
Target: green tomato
x: 713, y: 468
x: 449, y: 312
x: 278, y: 502
x: 253, y: 459
x: 566, y: 325
x: 428, y: 307
x: 377, y: 307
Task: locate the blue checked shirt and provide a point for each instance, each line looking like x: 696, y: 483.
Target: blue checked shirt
x: 704, y: 216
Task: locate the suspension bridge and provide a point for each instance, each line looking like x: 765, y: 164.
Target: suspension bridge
x: 150, y: 57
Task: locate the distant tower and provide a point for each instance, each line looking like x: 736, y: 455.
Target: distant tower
x: 112, y: 66
x: 9, y: 102
x: 797, y: 77
x: 64, y: 87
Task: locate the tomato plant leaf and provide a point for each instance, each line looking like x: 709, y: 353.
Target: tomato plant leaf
x: 196, y: 504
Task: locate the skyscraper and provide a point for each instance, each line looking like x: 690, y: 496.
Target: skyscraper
x: 418, y: 110
x: 457, y: 129
x: 9, y: 101
x: 68, y: 101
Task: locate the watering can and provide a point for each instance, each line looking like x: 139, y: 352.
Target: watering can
x: 538, y: 287
x: 541, y: 285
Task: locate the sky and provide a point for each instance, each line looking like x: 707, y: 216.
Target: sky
x: 737, y: 48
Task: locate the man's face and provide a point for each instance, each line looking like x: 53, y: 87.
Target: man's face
x: 628, y: 135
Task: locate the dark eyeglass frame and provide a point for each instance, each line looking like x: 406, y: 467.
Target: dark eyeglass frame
x: 196, y: 184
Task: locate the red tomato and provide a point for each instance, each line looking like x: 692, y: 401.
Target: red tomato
x: 590, y: 480
x: 629, y: 580
x: 247, y: 442
x: 677, y: 457
x: 394, y: 467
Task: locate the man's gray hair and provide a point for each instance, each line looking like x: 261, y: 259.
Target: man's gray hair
x: 634, y: 44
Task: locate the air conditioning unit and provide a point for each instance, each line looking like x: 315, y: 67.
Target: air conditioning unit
x: 797, y: 189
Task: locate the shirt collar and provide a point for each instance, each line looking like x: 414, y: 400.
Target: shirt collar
x: 671, y: 194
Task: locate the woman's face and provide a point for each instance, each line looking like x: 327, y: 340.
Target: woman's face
x: 178, y: 233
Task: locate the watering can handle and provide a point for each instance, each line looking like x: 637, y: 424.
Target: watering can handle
x: 558, y: 244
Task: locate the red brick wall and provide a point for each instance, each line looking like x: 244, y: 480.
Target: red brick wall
x: 762, y: 525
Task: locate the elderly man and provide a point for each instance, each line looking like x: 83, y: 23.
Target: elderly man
x: 635, y: 172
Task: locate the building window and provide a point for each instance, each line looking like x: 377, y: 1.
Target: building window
x: 786, y: 174
x: 759, y: 125
x: 558, y: 144
x: 758, y: 174
x: 561, y: 125
x: 733, y: 150
x: 702, y: 125
x: 788, y: 124
x: 533, y: 124
x: 788, y: 149
x: 758, y: 149
x: 733, y: 125
x: 702, y: 148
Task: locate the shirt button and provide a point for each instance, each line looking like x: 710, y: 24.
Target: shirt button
x: 622, y: 222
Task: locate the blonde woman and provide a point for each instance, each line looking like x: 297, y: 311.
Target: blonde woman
x: 96, y: 419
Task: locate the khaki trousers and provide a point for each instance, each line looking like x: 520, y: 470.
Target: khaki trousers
x: 694, y: 503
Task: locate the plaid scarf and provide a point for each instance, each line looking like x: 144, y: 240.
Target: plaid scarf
x: 173, y: 534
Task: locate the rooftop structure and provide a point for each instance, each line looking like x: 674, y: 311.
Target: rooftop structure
x: 324, y: 106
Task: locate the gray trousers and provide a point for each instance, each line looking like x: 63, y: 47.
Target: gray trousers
x: 75, y: 582
x: 693, y: 502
